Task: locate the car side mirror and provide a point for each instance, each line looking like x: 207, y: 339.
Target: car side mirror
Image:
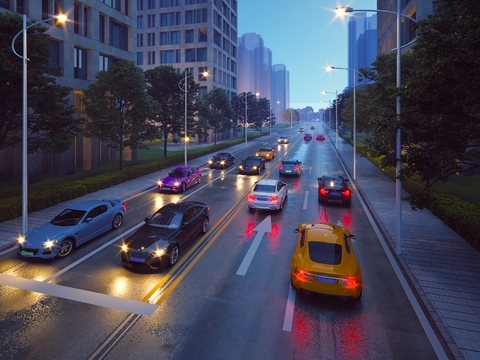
x: 296, y: 231
x: 353, y: 237
x: 146, y: 220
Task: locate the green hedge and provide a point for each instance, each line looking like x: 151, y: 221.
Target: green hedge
x: 11, y: 208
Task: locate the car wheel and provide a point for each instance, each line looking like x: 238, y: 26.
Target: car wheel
x: 233, y: 161
x: 184, y: 187
x: 199, y: 180
x: 281, y: 205
x: 117, y: 221
x: 173, y: 256
x: 65, y: 247
x: 205, y: 225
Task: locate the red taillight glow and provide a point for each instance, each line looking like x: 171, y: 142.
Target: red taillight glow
x: 323, y: 191
x: 346, y: 192
x: 124, y: 206
x: 281, y: 167
x: 296, y: 167
x: 274, y: 198
x: 251, y: 197
x: 349, y: 281
x: 302, y: 275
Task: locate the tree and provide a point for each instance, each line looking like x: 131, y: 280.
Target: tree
x: 51, y: 124
x: 289, y: 116
x: 119, y: 108
x: 164, y: 86
x: 215, y: 109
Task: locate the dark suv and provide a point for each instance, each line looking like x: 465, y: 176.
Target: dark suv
x: 334, y: 189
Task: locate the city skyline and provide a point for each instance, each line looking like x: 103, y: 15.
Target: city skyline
x: 289, y: 30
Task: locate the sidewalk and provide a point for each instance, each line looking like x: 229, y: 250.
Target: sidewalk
x: 443, y: 268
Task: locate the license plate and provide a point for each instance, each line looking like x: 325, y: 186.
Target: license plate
x: 166, y: 188
x: 137, y: 259
x: 262, y: 199
x: 334, y: 193
x: 26, y: 253
x: 326, y: 279
x: 288, y: 170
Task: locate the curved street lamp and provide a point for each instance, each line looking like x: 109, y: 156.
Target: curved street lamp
x: 336, y: 113
x: 61, y: 18
x: 329, y: 68
x: 245, y: 101
x: 398, y: 150
x: 204, y: 74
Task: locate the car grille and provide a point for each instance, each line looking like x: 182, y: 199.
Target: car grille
x: 137, y: 254
x: 34, y: 251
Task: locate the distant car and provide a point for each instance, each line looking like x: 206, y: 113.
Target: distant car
x: 251, y: 165
x: 307, y: 136
x: 283, y: 140
x: 334, y: 189
x: 221, y: 160
x: 180, y: 179
x: 290, y: 167
x: 266, y: 153
x: 158, y: 243
x: 324, y: 261
x: 312, y: 127
x: 71, y: 228
x: 267, y: 194
x: 300, y: 130
x: 320, y: 137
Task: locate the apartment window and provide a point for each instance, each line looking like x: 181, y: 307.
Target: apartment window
x: 191, y: 2
x: 76, y: 17
x: 140, y: 22
x: 172, y: 18
x: 151, y: 57
x: 217, y: 38
x: 101, y: 30
x: 169, y: 37
x: 79, y: 63
x: 195, y: 16
x: 190, y: 55
x: 140, y: 58
x: 189, y: 36
x: 85, y: 20
x: 151, y: 4
x: 103, y: 62
x: 54, y: 59
x: 139, y: 40
x: 202, y: 34
x: 169, y: 3
x: 112, y: 3
x: 226, y: 45
x: 151, y: 20
x: 176, y: 37
x: 202, y: 54
x: 139, y: 5
x: 118, y: 35
x: 201, y: 70
x: 151, y: 39
x: 169, y: 56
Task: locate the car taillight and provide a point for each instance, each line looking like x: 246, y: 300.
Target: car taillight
x: 281, y: 167
x: 302, y: 275
x: 346, y: 192
x: 349, y: 281
x: 274, y: 198
x: 251, y: 197
x: 323, y: 191
x: 296, y: 167
x: 124, y: 206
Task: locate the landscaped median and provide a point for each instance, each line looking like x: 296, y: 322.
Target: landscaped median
x: 11, y: 208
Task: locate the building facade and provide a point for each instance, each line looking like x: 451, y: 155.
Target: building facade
x: 280, y: 90
x: 96, y: 34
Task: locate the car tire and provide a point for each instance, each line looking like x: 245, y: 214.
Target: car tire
x: 281, y: 205
x: 205, y: 225
x: 117, y: 221
x: 184, y: 187
x: 199, y: 180
x: 173, y: 256
x: 233, y: 161
x: 65, y: 247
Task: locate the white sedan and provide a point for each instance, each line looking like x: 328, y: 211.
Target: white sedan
x: 267, y: 194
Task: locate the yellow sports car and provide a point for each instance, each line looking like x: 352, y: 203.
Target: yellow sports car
x: 324, y: 261
x: 266, y: 153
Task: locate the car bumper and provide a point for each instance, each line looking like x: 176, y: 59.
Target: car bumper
x: 148, y: 263
x: 335, y: 199
x: 217, y: 166
x: 174, y: 189
x: 248, y: 172
x: 327, y: 289
x: 43, y: 253
x: 264, y: 205
x: 289, y: 172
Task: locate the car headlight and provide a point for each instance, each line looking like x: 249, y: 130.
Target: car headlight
x: 159, y: 183
x: 222, y: 162
x: 21, y: 239
x: 49, y: 243
x: 159, y: 252
x: 124, y: 248
x: 210, y: 162
x: 240, y: 166
x: 176, y: 183
x: 254, y: 168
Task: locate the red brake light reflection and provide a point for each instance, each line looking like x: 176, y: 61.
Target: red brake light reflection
x: 323, y: 191
x: 251, y: 197
x: 274, y: 198
x: 124, y: 206
x: 346, y: 192
x: 281, y: 167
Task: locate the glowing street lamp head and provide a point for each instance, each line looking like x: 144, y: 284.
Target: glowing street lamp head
x: 61, y: 17
x: 329, y: 68
x: 342, y: 10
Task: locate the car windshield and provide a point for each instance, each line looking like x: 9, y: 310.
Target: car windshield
x: 178, y: 173
x: 221, y: 156
x: 288, y: 162
x: 166, y: 220
x: 333, y: 183
x: 265, y: 150
x: 264, y: 188
x: 68, y: 217
x: 325, y: 253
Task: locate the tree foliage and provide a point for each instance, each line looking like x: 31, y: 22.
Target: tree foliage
x: 119, y: 108
x: 51, y: 124
x: 216, y: 111
x: 167, y: 88
x: 289, y: 116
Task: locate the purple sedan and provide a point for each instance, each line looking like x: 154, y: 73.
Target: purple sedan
x: 180, y: 179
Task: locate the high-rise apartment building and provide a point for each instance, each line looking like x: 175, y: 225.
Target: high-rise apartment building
x: 97, y: 33
x: 280, y: 90
x: 190, y: 35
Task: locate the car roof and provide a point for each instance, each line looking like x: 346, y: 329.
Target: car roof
x: 324, y: 232
x: 183, y: 168
x: 333, y: 177
x: 289, y: 160
x: 266, y: 182
x: 265, y: 149
x: 223, y: 154
x: 86, y: 205
x: 182, y: 206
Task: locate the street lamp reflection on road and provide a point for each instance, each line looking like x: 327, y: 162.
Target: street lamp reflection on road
x: 62, y: 18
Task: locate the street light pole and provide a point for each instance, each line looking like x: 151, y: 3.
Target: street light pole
x: 354, y: 114
x: 205, y: 74
x: 398, y: 148
x: 24, y: 113
x: 336, y: 115
x: 245, y: 101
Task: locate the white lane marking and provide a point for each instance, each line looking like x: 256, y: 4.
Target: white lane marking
x: 288, y: 319
x: 261, y: 229
x: 84, y: 296
x: 305, y: 201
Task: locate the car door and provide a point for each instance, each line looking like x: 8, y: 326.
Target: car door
x: 94, y: 224
x: 189, y: 226
x: 282, y: 190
